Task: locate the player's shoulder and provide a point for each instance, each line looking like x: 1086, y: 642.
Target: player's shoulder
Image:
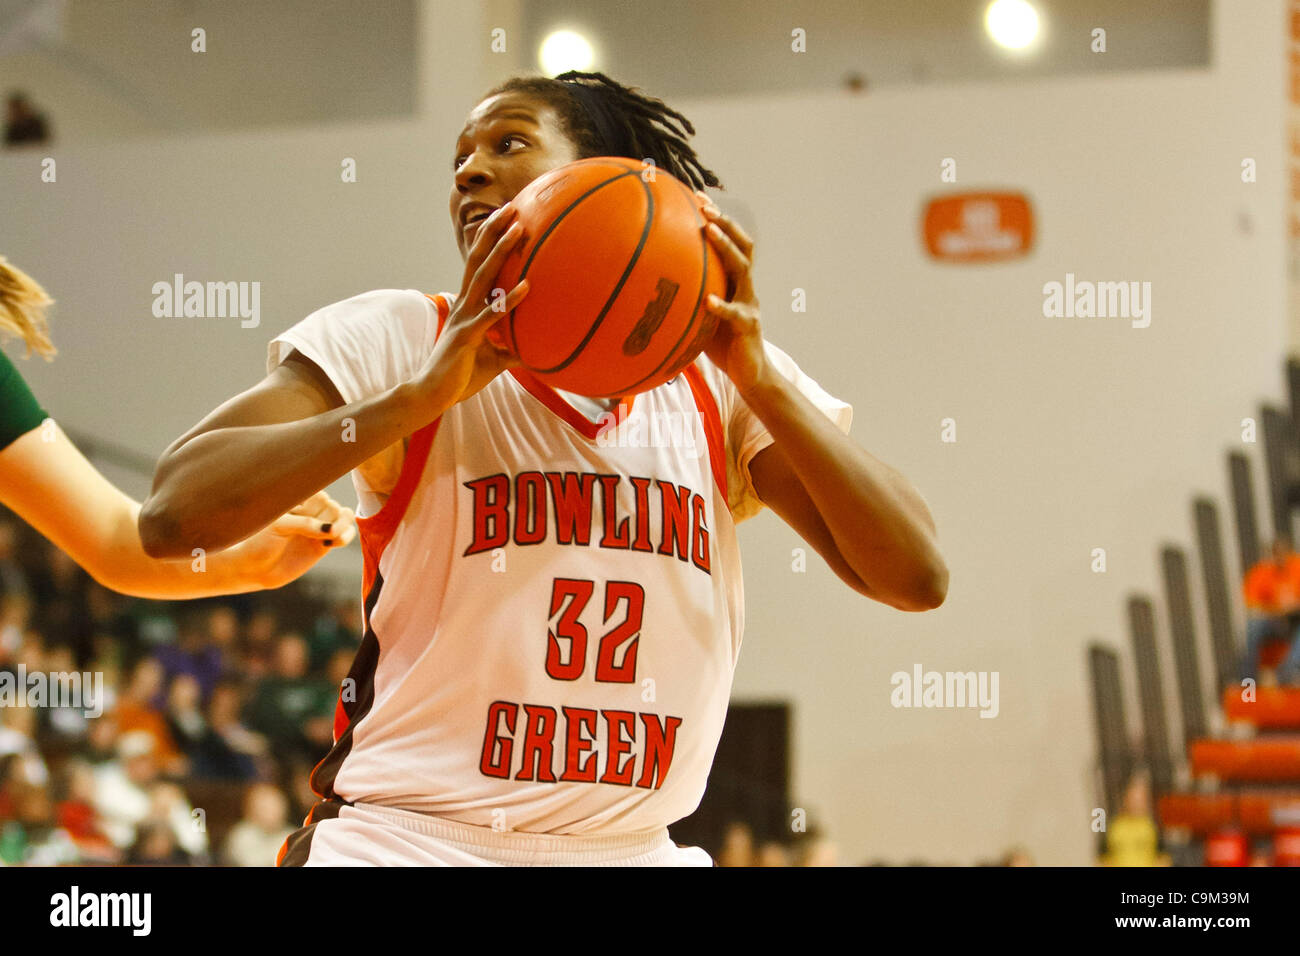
x: 398, y: 302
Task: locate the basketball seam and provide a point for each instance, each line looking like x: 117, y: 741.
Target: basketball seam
x: 613, y: 297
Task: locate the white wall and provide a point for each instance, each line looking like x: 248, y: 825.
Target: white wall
x: 127, y: 68
x: 1072, y: 433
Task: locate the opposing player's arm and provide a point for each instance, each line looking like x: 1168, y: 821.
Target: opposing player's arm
x: 266, y: 450
x: 46, y: 480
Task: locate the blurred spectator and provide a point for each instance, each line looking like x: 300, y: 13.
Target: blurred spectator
x: 814, y: 849
x: 293, y: 709
x: 737, y: 846
x: 228, y: 750
x: 137, y: 710
x: 66, y: 726
x: 256, y: 839
x: 184, y: 717
x: 18, y: 737
x: 15, y: 612
x: 259, y: 643
x: 1131, y: 835
x: 1017, y: 856
x: 76, y: 814
x: 1272, y: 592
x: 128, y: 793
x: 23, y: 125
x: 31, y: 835
x: 223, y: 636
x: 772, y: 853
x: 337, y: 631
x: 156, y: 845
x: 13, y: 579
x: 61, y: 588
x: 100, y: 745
x: 193, y: 654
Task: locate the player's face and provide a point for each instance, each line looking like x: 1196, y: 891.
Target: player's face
x: 509, y: 140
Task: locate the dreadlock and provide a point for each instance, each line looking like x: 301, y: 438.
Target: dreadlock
x: 638, y: 127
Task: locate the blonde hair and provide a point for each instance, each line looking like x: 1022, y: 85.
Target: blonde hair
x: 22, y: 309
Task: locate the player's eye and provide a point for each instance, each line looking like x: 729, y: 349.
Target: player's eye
x: 455, y: 163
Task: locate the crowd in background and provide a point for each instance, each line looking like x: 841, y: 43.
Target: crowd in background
x: 213, y: 713
x: 1271, y: 589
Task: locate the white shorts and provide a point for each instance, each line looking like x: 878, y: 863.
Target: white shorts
x: 363, y: 834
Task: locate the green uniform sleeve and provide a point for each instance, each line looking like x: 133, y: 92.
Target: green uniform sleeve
x: 19, y: 410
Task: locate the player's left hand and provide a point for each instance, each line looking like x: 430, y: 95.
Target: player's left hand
x: 286, y: 548
x: 737, y: 344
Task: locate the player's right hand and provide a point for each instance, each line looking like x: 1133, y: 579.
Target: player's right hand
x: 464, y: 358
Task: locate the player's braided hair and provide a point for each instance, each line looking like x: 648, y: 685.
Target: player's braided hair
x: 605, y: 118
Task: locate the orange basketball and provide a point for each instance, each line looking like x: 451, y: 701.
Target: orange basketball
x: 619, y: 268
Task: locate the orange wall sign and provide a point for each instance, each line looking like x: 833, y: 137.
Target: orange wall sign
x: 979, y: 227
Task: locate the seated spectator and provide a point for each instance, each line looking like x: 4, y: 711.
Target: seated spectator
x: 66, y: 726
x: 339, y: 630
x: 64, y: 612
x: 1272, y: 592
x: 184, y: 716
x: 814, y: 849
x: 1016, y: 856
x: 193, y: 654
x: 76, y: 814
x: 258, y: 646
x: 100, y: 745
x: 223, y: 629
x: 737, y: 846
x: 18, y: 737
x: 155, y: 845
x: 136, y: 710
x: 31, y: 836
x: 128, y: 792
x: 772, y: 853
x: 228, y: 750
x: 23, y: 125
x: 294, y: 711
x: 1131, y: 835
x: 15, y: 612
x: 13, y: 579
x: 256, y: 839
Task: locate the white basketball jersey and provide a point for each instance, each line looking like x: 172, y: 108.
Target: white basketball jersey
x: 553, y: 605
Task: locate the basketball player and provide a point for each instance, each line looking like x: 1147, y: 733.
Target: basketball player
x: 552, y: 620
x: 48, y: 483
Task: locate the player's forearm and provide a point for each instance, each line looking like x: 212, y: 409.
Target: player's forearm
x: 223, y: 485
x: 880, y: 523
x: 126, y: 568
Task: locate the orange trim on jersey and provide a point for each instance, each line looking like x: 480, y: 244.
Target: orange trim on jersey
x: 551, y: 399
x: 378, y: 529
x: 708, y: 407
